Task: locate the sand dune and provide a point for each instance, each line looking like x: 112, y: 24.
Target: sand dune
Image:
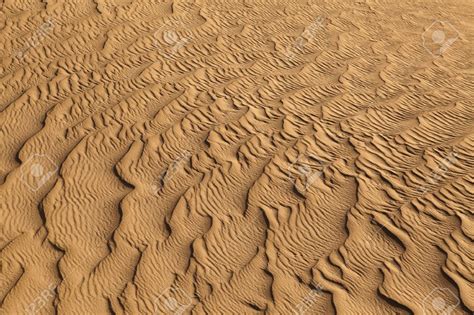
x: 236, y: 157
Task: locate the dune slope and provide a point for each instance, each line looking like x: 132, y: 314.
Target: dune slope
x: 236, y: 157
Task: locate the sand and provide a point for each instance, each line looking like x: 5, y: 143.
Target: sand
x: 236, y: 157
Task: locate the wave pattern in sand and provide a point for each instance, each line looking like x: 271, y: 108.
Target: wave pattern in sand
x: 223, y: 156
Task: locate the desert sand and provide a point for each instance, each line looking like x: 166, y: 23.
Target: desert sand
x: 236, y: 157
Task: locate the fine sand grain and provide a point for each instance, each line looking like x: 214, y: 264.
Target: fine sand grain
x: 236, y: 157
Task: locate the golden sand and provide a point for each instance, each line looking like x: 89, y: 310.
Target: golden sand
x: 236, y: 157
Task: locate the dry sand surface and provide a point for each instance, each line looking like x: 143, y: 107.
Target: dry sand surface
x: 236, y: 157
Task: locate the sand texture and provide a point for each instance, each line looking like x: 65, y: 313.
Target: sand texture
x: 237, y: 157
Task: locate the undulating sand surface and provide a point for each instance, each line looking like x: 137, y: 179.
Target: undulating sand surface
x: 236, y: 157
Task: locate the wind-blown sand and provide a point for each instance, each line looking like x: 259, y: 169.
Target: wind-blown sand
x: 236, y: 157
